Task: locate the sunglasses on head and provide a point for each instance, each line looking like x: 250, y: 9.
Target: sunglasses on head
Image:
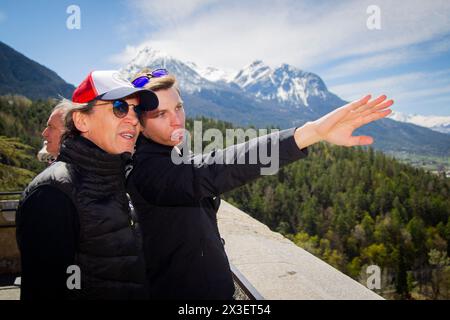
x: 143, y: 80
x: 121, y: 108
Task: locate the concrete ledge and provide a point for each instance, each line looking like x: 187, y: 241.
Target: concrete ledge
x: 278, y: 268
x: 9, y: 293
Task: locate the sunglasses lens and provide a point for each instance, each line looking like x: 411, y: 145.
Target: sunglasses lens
x: 140, y: 82
x: 159, y: 73
x: 143, y: 80
x: 120, y: 108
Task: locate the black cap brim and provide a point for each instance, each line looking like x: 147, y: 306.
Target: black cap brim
x: 148, y: 98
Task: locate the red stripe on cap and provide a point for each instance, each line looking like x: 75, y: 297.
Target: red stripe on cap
x: 86, y: 91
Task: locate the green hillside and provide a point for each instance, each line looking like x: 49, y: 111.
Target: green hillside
x: 21, y: 75
x: 356, y: 207
x: 21, y: 123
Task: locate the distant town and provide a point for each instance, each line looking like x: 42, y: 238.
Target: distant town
x: 436, y: 165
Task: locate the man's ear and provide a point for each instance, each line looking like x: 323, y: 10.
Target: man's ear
x: 81, y: 121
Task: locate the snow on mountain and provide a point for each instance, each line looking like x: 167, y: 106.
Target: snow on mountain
x: 252, y: 73
x: 212, y: 74
x: 190, y: 80
x: 436, y: 123
x: 285, y: 84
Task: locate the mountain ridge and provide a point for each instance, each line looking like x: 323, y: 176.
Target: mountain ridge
x: 24, y: 76
x: 436, y: 123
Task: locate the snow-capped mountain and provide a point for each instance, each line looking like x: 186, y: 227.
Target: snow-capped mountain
x: 285, y: 87
x: 436, y: 123
x: 150, y: 58
x: 212, y: 74
x: 285, y: 84
x: 208, y: 90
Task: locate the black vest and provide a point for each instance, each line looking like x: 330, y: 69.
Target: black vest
x: 110, y: 249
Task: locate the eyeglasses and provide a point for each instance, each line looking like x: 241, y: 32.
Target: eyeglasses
x: 143, y: 80
x: 121, y: 108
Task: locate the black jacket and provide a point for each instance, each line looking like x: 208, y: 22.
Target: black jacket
x: 76, y: 212
x: 177, y: 209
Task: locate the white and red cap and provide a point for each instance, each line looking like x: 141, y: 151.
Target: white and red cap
x: 109, y: 85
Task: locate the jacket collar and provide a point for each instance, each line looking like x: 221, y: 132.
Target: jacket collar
x: 146, y: 145
x: 89, y: 157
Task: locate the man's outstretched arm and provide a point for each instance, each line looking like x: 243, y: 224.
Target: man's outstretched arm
x: 162, y: 182
x: 173, y: 184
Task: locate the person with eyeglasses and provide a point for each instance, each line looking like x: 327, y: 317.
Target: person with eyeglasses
x: 75, y: 230
x: 177, y: 203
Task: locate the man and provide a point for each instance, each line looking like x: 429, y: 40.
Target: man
x: 177, y: 204
x: 74, y: 229
x: 53, y: 131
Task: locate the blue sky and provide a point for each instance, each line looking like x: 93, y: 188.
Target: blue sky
x: 408, y: 58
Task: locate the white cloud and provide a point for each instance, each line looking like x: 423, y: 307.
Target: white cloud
x: 310, y: 35
x: 406, y: 84
x: 390, y: 58
x: 2, y: 17
x: 442, y: 105
x: 233, y: 33
x: 127, y: 55
x: 370, y: 63
x: 425, y: 93
x: 167, y: 11
x: 419, y: 90
x: 441, y: 46
x: 411, y: 85
x: 392, y: 86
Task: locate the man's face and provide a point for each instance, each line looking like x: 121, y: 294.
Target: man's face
x: 53, y: 132
x: 163, y: 124
x: 112, y: 134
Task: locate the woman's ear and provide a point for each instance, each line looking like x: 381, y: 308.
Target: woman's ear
x: 81, y: 121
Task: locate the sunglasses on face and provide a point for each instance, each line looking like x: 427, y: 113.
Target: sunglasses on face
x: 121, y: 108
x: 143, y: 80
